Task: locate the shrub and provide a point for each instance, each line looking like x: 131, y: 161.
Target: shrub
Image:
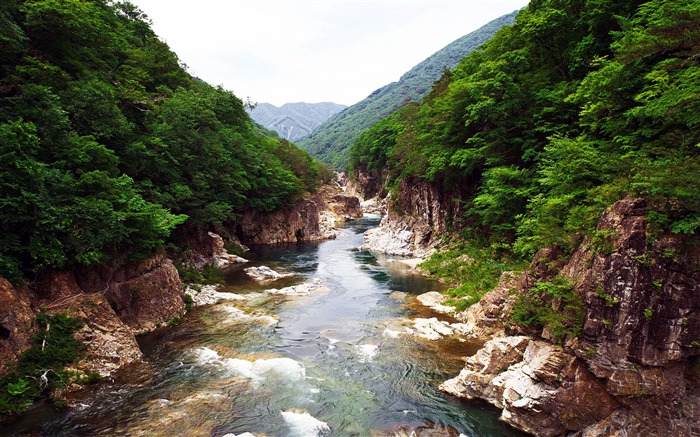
x: 552, y: 305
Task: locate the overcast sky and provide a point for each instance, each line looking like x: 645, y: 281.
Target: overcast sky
x: 282, y: 51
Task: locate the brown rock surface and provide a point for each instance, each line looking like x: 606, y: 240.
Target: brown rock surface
x: 144, y: 294
x: 416, y: 219
x: 209, y: 248
x: 16, y: 317
x: 110, y: 344
x: 312, y: 219
x: 297, y: 224
x: 634, y: 369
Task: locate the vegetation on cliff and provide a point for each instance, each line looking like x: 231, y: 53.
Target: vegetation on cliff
x: 107, y: 143
x: 331, y: 141
x: 577, y: 104
x: 41, y: 368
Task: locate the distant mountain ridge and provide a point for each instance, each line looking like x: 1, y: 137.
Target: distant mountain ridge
x: 293, y: 121
x: 330, y: 142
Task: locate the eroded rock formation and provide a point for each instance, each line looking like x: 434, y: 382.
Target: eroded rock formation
x: 144, y: 294
x: 314, y: 218
x: 634, y: 369
x: 16, y: 315
x: 416, y: 219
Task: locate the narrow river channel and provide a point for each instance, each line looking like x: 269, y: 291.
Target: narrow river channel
x: 338, y: 362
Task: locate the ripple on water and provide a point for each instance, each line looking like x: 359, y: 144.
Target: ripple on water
x: 236, y: 315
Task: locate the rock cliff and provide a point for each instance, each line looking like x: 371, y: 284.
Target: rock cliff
x: 144, y: 294
x: 116, y: 302
x: 634, y: 368
x: 313, y: 219
x: 421, y: 213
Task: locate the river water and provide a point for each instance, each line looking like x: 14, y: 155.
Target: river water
x: 338, y: 362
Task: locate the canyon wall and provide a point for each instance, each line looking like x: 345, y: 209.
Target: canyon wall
x: 417, y: 217
x: 313, y: 219
x: 634, y: 370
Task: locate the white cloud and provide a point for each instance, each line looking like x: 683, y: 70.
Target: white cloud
x: 308, y: 50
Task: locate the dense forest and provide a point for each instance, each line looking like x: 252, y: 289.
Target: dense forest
x: 576, y: 105
x: 107, y: 143
x: 331, y: 141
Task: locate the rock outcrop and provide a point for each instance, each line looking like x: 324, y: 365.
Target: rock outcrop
x: 16, y: 315
x: 265, y: 274
x: 299, y: 223
x: 209, y: 248
x: 416, y: 219
x: 314, y: 218
x: 144, y: 294
x: 109, y: 343
x: 633, y: 371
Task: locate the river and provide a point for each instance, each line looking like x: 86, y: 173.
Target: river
x: 338, y: 362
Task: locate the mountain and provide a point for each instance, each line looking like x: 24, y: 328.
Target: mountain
x: 331, y: 141
x: 293, y: 121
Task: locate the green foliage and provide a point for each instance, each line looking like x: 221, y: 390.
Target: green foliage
x: 189, y: 300
x: 470, y: 271
x: 552, y: 305
x: 573, y: 107
x: 107, y: 144
x: 208, y: 275
x: 40, y: 369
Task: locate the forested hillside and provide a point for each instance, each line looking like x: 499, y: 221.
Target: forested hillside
x: 294, y: 121
x: 107, y: 143
x: 575, y: 106
x: 331, y: 141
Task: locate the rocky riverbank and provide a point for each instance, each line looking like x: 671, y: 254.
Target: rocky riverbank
x: 633, y: 368
x: 120, y: 300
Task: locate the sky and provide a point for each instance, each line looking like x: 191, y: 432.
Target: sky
x: 284, y: 51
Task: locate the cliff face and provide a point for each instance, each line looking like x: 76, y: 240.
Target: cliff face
x: 633, y: 371
x: 16, y: 315
x: 143, y: 294
x: 312, y: 219
x: 416, y: 219
x: 116, y: 302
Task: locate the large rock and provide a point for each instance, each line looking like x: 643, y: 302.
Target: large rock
x: 144, y: 294
x: 109, y: 343
x: 542, y: 389
x: 345, y: 207
x: 209, y: 248
x: 633, y: 371
x: 16, y: 317
x: 490, y: 316
x: 265, y: 274
x: 416, y: 219
x: 297, y: 224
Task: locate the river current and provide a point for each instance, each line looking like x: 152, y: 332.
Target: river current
x: 338, y: 362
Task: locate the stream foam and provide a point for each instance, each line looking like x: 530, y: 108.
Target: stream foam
x: 258, y: 370
x: 304, y: 424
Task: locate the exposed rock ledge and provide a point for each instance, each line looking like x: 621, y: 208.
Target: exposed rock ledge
x: 634, y: 369
x: 415, y: 220
x: 315, y: 218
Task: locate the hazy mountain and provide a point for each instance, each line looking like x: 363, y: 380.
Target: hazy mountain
x: 293, y: 121
x: 331, y: 141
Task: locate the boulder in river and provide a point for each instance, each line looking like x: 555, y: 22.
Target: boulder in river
x: 265, y: 274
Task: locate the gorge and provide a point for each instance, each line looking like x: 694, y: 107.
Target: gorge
x: 167, y: 265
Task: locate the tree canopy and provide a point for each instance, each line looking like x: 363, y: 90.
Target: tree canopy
x: 575, y: 105
x: 107, y: 143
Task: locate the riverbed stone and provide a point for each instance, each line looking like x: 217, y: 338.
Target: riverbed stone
x: 265, y: 274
